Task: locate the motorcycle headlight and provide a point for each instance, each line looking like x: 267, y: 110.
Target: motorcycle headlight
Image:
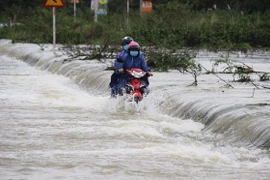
x: 137, y: 74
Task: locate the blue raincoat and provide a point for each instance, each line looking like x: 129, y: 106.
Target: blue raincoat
x: 115, y: 77
x: 133, y: 62
x: 117, y: 65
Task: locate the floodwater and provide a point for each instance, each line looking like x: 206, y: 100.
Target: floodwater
x: 58, y: 122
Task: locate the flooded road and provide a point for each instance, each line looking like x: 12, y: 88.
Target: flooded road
x: 50, y: 128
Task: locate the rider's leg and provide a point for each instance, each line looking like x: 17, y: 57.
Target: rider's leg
x: 145, y: 79
x: 113, y: 92
x: 114, y: 78
x: 124, y: 78
x: 114, y: 83
x: 121, y: 86
x: 146, y: 90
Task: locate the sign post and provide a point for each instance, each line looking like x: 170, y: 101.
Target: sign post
x: 141, y: 4
x: 96, y: 11
x: 74, y: 6
x: 54, y: 27
x: 127, y: 10
x: 94, y: 7
x: 54, y: 4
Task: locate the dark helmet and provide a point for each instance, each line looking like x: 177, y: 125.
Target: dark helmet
x: 126, y: 40
x: 134, y: 46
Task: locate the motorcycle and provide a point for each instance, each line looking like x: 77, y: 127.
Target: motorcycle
x: 135, y: 88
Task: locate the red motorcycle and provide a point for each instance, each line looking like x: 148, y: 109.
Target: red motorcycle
x: 136, y: 87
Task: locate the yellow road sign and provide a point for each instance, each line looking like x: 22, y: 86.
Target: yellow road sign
x: 54, y: 3
x: 102, y: 1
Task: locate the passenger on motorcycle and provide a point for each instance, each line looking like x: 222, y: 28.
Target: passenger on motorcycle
x: 115, y: 77
x: 134, y: 59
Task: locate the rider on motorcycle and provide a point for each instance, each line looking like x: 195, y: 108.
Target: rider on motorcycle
x: 134, y: 59
x: 119, y: 65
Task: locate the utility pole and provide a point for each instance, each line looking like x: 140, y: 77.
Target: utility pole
x: 74, y: 3
x: 141, y: 4
x: 96, y: 11
x: 127, y: 11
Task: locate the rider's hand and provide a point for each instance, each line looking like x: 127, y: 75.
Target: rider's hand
x: 121, y: 70
x: 149, y: 74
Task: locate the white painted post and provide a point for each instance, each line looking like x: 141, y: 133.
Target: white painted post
x: 74, y: 8
x: 54, y: 27
x: 127, y: 10
x: 141, y: 3
x: 96, y: 10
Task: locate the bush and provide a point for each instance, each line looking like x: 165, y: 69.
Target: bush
x: 172, y: 25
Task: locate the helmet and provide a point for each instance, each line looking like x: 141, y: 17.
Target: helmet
x: 126, y: 40
x: 134, y: 46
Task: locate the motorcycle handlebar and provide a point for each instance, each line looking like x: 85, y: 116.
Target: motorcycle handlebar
x: 128, y: 71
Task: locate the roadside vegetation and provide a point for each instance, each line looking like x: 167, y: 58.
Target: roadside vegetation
x: 173, y: 25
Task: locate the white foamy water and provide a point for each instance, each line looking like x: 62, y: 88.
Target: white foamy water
x: 57, y: 123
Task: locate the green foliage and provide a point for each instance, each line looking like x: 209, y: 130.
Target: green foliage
x: 241, y: 72
x: 172, y: 25
x: 242, y: 46
x: 264, y: 77
x: 182, y: 61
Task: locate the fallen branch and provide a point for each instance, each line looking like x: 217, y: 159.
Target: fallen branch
x: 229, y: 85
x: 99, y: 55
